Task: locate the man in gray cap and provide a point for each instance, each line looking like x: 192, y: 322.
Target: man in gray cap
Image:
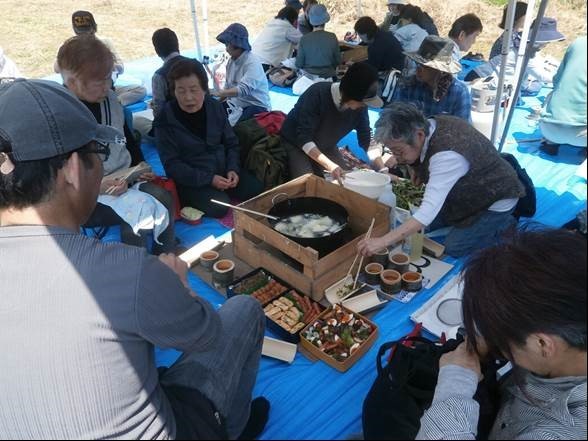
x: 80, y: 318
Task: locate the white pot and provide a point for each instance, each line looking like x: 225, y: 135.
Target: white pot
x: 368, y: 183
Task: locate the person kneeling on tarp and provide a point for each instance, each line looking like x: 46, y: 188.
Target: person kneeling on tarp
x: 469, y: 187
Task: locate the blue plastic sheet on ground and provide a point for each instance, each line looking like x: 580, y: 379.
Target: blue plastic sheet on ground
x: 310, y: 400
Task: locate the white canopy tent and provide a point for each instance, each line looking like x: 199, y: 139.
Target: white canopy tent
x: 523, y: 57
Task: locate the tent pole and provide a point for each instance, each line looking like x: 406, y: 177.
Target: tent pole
x: 521, y: 52
x: 509, y: 24
x: 528, y: 52
x: 205, y: 26
x: 196, y: 34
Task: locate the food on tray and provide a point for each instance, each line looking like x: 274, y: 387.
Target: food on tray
x: 408, y: 194
x: 190, y: 214
x: 339, y: 333
x: 308, y: 225
x: 269, y: 291
x: 292, y: 311
x: 344, y: 290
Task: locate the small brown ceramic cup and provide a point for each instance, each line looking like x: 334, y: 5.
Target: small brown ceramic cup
x: 372, y: 273
x: 399, y: 262
x: 412, y: 281
x: 390, y: 281
x: 381, y: 257
x: 208, y: 258
x: 223, y: 273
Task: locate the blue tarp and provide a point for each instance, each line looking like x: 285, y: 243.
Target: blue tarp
x: 310, y: 400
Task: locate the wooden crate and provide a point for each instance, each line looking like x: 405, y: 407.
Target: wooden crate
x: 258, y: 244
x: 352, y: 52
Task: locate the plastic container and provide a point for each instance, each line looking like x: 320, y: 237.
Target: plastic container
x: 368, y: 183
x: 389, y: 198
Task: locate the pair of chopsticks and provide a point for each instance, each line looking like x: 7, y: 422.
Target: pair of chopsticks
x: 367, y: 236
x: 111, y: 189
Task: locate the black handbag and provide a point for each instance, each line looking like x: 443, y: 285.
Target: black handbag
x: 527, y: 205
x: 404, y: 389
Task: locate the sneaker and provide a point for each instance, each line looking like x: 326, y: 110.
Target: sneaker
x: 258, y: 417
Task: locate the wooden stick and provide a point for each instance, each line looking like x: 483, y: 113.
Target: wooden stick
x: 124, y: 178
x: 367, y: 236
x: 246, y: 210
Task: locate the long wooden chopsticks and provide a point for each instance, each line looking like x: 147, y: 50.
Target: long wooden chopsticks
x: 367, y: 236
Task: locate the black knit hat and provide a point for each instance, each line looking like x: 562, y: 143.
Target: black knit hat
x: 83, y: 22
x: 360, y: 83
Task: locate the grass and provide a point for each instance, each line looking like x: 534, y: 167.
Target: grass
x: 31, y: 31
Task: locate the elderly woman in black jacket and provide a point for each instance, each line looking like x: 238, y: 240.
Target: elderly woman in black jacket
x: 198, y: 147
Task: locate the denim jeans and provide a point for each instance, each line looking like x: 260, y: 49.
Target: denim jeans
x: 483, y: 233
x: 226, y: 373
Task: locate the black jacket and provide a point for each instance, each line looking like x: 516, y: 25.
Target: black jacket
x: 190, y: 160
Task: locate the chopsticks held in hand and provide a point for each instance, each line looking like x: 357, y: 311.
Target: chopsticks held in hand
x: 111, y: 189
x: 367, y: 236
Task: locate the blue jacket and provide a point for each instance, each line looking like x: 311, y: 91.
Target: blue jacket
x: 189, y: 160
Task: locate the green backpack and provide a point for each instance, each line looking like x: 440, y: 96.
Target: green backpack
x: 267, y: 160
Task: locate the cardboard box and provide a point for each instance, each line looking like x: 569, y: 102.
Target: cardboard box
x: 341, y: 366
x: 258, y: 244
x: 353, y: 52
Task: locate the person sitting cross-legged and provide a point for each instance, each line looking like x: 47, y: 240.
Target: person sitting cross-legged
x: 246, y: 85
x: 197, y: 145
x: 433, y: 88
x: 85, y: 64
x: 80, y: 318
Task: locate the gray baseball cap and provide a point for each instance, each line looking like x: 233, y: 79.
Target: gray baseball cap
x: 42, y: 119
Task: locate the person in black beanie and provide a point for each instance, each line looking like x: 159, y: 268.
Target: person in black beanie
x: 323, y: 115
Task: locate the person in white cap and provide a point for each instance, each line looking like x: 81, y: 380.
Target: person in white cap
x: 390, y: 22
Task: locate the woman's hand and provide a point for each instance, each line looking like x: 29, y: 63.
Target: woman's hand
x: 233, y: 178
x: 220, y: 183
x: 464, y: 358
x: 113, y: 187
x: 148, y: 176
x: 367, y: 247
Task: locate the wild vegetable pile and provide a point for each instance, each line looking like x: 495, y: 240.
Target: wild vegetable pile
x: 407, y: 193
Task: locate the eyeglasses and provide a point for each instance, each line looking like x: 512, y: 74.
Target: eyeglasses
x: 102, y: 150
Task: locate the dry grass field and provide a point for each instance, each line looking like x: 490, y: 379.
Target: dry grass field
x: 31, y: 31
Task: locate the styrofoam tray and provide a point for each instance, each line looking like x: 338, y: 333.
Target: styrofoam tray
x: 282, y: 350
x: 365, y: 302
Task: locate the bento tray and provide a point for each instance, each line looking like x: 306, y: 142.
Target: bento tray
x: 344, y: 365
x: 315, y: 309
x: 235, y: 284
